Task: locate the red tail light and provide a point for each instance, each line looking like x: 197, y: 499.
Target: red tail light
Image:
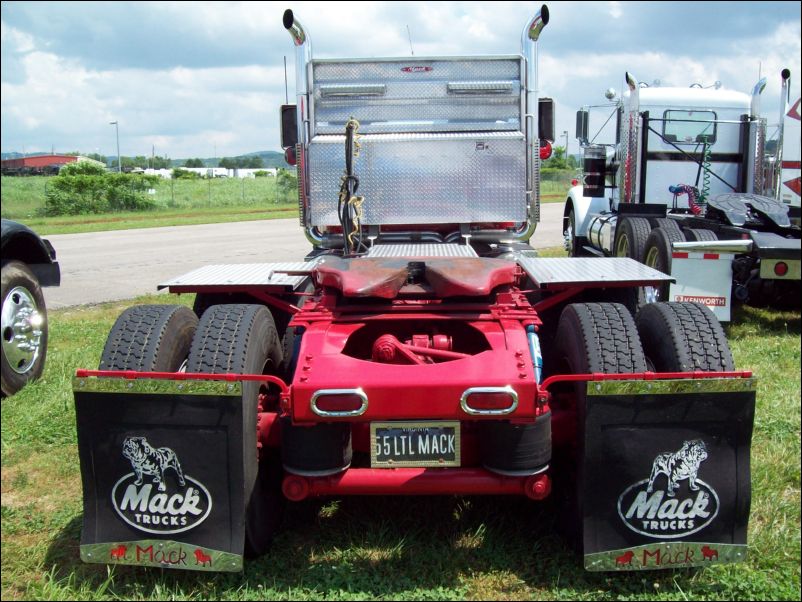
x: 545, y: 150
x: 781, y: 268
x: 339, y: 402
x: 489, y: 401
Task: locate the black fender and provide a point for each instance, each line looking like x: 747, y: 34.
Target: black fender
x: 20, y: 243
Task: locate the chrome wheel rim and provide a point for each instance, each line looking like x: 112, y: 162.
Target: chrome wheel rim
x: 622, y: 248
x: 651, y: 294
x: 22, y: 329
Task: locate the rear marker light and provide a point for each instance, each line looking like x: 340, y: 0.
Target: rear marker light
x: 781, y: 268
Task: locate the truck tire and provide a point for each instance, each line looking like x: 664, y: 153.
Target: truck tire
x: 630, y: 237
x: 666, y: 223
x: 150, y: 338
x: 591, y: 337
x: 699, y: 235
x: 242, y: 339
x: 24, y: 327
x: 657, y: 255
x: 575, y: 246
x: 683, y: 337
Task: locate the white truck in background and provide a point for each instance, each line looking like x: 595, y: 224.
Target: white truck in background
x: 686, y: 189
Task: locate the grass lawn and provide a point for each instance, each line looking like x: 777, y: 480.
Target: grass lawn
x: 387, y: 548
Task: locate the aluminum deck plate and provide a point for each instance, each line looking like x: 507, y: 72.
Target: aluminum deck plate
x: 284, y: 276
x: 422, y: 250
x: 558, y: 272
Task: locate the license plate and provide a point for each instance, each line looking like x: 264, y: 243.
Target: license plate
x: 414, y: 444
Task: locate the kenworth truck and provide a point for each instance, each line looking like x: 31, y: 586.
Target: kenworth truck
x: 422, y: 348
x: 686, y: 189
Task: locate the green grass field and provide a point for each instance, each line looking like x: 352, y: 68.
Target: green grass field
x: 178, y: 202
x: 388, y: 548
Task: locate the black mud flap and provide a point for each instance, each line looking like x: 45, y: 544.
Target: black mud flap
x: 665, y: 478
x: 162, y: 465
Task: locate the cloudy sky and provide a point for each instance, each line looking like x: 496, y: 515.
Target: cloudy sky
x: 206, y: 78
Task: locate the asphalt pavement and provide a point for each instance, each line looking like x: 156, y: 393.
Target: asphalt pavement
x: 122, y: 264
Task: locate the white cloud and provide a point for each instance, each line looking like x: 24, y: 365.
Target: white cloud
x: 54, y: 90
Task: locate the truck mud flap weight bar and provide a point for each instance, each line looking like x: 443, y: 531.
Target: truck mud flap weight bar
x: 163, y: 467
x: 664, y: 477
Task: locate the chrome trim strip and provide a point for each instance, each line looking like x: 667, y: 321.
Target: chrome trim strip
x: 177, y: 555
x: 480, y: 87
x: 647, y: 557
x: 335, y: 90
x: 347, y: 414
x: 463, y: 402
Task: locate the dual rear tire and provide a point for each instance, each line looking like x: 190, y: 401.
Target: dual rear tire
x: 238, y: 338
x: 604, y: 338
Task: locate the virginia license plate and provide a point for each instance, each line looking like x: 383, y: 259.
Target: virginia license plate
x: 414, y: 444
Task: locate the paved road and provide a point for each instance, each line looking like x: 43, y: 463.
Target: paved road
x: 109, y: 266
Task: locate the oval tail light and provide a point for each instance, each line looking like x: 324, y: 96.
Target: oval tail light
x: 339, y: 403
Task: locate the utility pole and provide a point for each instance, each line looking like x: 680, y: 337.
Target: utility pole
x: 117, y: 130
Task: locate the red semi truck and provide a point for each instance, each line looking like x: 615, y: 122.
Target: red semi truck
x: 422, y: 348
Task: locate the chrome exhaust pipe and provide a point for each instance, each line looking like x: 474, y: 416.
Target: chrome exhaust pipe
x: 529, y: 38
x: 785, y: 74
x: 756, y: 92
x: 303, y: 56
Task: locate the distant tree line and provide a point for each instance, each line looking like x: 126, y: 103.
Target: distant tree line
x: 129, y: 163
x: 252, y: 162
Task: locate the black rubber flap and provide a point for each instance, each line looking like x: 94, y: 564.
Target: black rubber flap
x: 162, y: 466
x: 666, y: 479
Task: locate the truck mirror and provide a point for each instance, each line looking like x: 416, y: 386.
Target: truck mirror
x: 289, y: 126
x: 545, y: 119
x: 582, y: 119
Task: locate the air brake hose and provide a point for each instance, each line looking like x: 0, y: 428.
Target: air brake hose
x: 691, y: 192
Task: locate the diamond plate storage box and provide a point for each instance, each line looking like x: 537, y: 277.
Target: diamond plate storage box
x: 441, y: 140
x: 424, y: 178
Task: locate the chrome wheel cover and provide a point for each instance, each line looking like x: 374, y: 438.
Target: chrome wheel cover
x: 22, y: 329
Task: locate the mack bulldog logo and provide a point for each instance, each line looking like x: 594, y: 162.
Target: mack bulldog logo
x: 683, y: 506
x: 168, y: 509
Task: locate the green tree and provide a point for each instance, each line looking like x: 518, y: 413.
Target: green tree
x: 98, y: 157
x: 228, y: 163
x: 161, y: 162
x: 286, y: 182
x: 193, y: 163
x: 255, y: 162
x: 183, y: 174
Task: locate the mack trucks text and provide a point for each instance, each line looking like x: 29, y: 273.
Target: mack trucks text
x: 422, y: 348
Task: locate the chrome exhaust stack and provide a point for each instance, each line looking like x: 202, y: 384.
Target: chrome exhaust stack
x: 785, y: 91
x: 754, y: 108
x: 303, y: 56
x: 529, y: 38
